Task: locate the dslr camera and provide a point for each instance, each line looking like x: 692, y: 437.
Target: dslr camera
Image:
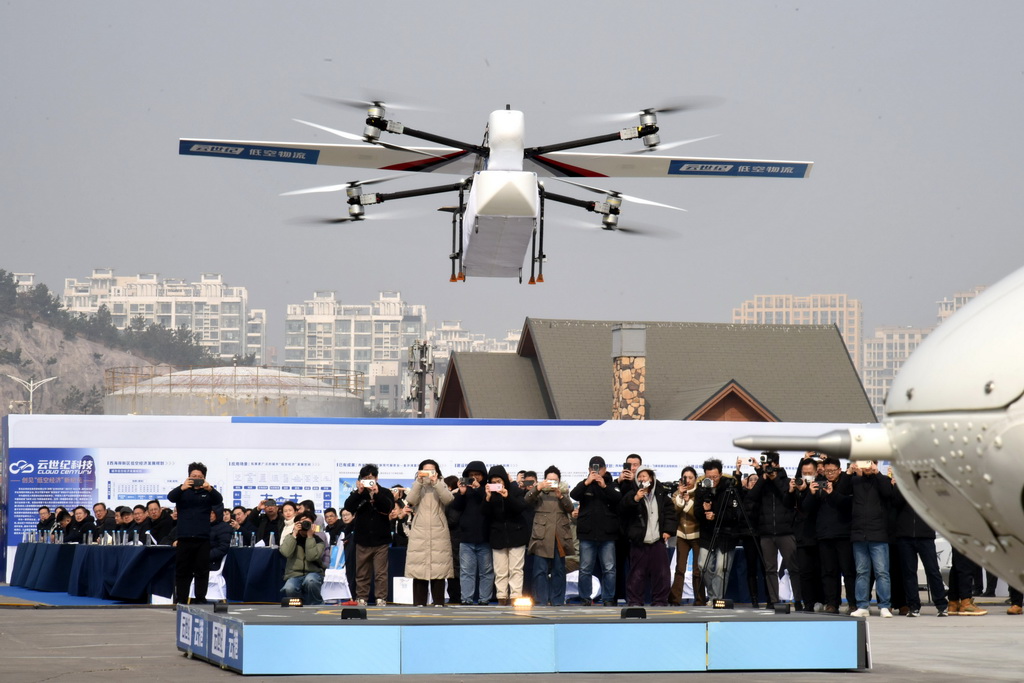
x: 306, y: 525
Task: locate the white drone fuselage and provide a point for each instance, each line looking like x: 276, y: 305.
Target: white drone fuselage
x: 503, y: 205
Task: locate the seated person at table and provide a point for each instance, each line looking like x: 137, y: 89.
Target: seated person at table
x: 268, y: 520
x: 334, y: 526
x: 124, y: 518
x: 104, y: 518
x: 47, y: 521
x: 63, y: 520
x: 303, y: 570
x: 240, y: 522
x: 220, y: 537
x: 140, y: 521
x: 81, y: 526
x: 160, y: 522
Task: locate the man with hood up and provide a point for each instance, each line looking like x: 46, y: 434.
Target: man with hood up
x: 509, y: 533
x: 476, y: 567
x: 650, y: 520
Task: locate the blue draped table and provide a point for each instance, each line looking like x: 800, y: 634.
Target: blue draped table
x: 122, y: 572
x: 43, y: 566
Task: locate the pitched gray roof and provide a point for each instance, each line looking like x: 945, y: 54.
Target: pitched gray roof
x: 801, y: 373
x: 501, y: 385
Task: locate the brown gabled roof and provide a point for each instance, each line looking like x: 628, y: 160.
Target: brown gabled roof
x: 798, y: 373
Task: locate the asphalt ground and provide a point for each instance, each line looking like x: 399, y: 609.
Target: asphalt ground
x: 83, y: 645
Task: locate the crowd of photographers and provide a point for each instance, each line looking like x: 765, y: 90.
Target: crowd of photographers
x: 475, y: 538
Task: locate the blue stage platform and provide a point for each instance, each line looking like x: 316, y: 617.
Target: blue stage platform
x: 248, y: 639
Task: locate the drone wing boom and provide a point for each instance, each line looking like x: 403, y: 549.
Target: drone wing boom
x: 584, y: 165
x: 423, y: 159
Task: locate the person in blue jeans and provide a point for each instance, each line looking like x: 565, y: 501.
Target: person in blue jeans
x: 597, y: 527
x: 551, y: 539
x: 303, y: 569
x: 476, y: 567
x: 869, y: 536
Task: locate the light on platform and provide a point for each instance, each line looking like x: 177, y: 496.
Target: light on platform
x: 522, y: 603
x: 291, y: 602
x: 722, y: 604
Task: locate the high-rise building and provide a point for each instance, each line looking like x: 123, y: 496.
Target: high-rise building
x: 884, y: 355
x: 219, y: 314
x: 887, y: 351
x: 323, y: 336
x: 951, y: 305
x: 815, y: 309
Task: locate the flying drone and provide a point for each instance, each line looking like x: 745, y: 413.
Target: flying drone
x: 501, y: 197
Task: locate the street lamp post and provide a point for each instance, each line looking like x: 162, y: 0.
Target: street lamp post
x: 31, y: 385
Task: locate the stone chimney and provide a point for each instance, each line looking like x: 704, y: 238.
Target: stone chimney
x: 629, y: 371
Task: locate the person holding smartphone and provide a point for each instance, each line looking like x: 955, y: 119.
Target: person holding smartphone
x: 429, y: 557
x: 504, y: 506
x: 194, y: 500
x: 372, y: 506
x: 597, y: 527
x: 476, y: 566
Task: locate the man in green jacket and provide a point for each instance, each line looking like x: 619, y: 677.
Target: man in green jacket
x: 304, y: 570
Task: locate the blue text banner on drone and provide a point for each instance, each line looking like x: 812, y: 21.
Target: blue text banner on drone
x: 741, y: 168
x: 234, y: 150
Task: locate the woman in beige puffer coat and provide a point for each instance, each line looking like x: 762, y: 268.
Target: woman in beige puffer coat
x: 428, y: 560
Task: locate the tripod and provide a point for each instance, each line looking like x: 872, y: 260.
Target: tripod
x: 730, y: 499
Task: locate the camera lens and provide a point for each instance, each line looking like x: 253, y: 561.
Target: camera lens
x: 306, y: 525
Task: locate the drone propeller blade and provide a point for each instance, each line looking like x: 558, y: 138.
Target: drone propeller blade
x: 340, y: 133
x: 374, y: 217
x: 624, y: 197
x: 670, y: 145
x: 353, y: 136
x: 343, y: 186
x: 670, y: 107
x: 374, y: 98
x: 631, y: 229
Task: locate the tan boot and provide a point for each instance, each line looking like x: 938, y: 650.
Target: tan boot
x: 969, y: 609
x: 954, y: 608
x: 1015, y: 609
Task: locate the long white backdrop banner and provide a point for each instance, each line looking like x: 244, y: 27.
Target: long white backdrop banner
x: 71, y: 460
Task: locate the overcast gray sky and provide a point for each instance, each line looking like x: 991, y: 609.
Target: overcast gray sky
x: 911, y: 112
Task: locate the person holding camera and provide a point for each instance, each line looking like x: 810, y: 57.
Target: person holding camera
x: 504, y: 506
x: 372, y: 506
x: 304, y: 550
x: 687, y: 539
x: 650, y: 520
x: 830, y: 500
x: 869, y: 535
x: 718, y: 511
x: 551, y: 537
x: 806, y: 540
x: 428, y: 561
x: 194, y: 500
x: 597, y: 527
x: 476, y: 566
x: 772, y: 496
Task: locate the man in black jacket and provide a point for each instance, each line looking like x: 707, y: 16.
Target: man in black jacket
x: 718, y: 496
x: 476, y: 565
x: 831, y: 504
x: 772, y: 497
x: 915, y: 538
x: 160, y: 521
x: 104, y: 519
x: 869, y: 535
x: 194, y: 499
x: 220, y: 537
x: 372, y: 505
x: 650, y: 520
x: 597, y: 527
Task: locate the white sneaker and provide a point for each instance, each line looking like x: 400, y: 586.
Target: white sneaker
x: 863, y: 612
x: 361, y: 602
x: 383, y: 603
x: 885, y: 612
